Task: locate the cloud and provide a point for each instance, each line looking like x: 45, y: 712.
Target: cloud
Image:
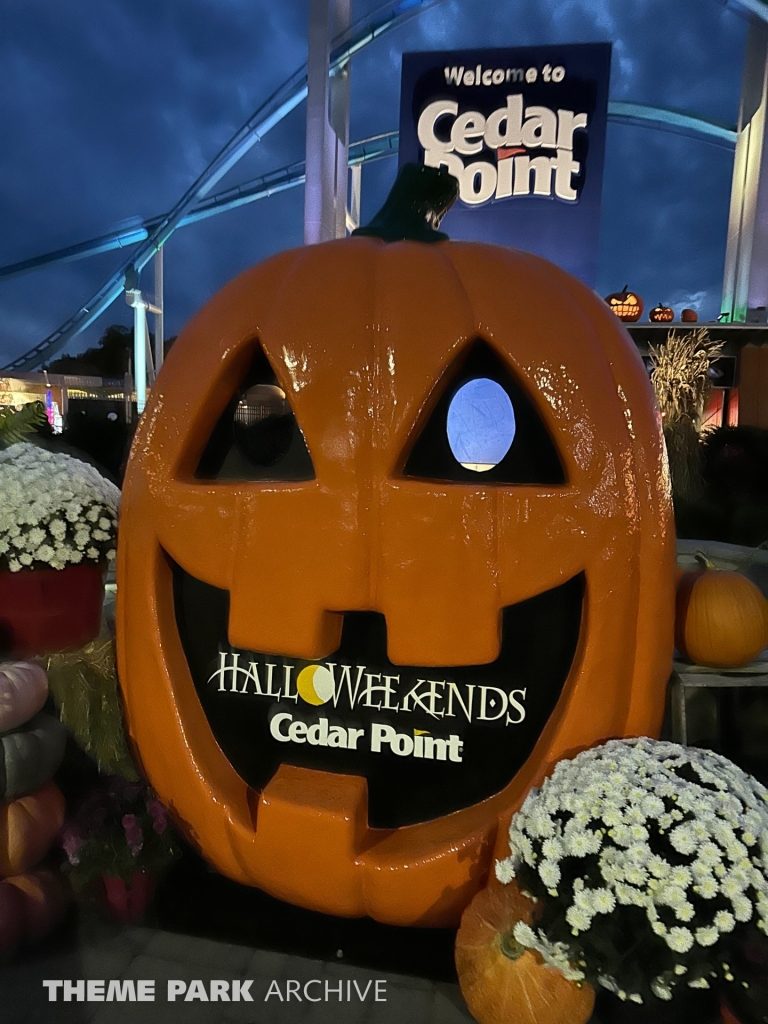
x: 110, y: 108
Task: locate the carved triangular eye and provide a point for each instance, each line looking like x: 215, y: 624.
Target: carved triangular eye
x: 484, y: 428
x: 257, y: 436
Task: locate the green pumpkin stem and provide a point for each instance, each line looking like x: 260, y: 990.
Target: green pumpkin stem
x: 510, y: 947
x: 413, y: 210
x: 704, y: 562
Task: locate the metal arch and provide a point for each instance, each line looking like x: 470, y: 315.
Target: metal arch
x: 669, y: 120
x: 375, y: 148
x: 288, y: 96
x: 755, y: 8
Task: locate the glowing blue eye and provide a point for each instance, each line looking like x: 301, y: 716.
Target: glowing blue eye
x: 481, y: 424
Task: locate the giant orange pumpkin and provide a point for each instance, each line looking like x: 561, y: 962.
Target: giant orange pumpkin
x: 346, y: 652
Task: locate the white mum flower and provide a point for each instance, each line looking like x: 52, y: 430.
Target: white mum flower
x: 505, y: 870
x: 680, y: 875
x: 679, y: 940
x: 578, y: 918
x: 549, y: 873
x: 603, y: 901
x: 707, y: 936
x: 707, y: 888
x: 636, y: 875
x: 653, y: 806
x: 742, y: 908
x: 553, y: 848
x: 524, y: 934
x: 629, y: 896
x: 724, y: 921
x: 684, y: 912
x: 58, y: 529
x: 35, y: 538
x: 72, y: 511
x: 683, y: 838
x: 658, y: 867
x: 661, y: 990
x: 579, y: 844
x: 732, y: 886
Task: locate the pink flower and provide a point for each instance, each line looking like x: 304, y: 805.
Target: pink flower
x: 71, y: 842
x: 159, y: 816
x: 133, y: 834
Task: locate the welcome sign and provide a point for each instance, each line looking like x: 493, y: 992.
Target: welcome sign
x: 523, y: 131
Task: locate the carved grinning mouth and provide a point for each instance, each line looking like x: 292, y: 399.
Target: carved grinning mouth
x: 428, y: 740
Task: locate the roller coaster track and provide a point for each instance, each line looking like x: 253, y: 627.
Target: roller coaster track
x: 286, y: 98
x: 198, y: 204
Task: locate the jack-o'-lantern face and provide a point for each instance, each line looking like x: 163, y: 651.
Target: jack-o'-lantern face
x: 661, y: 314
x: 626, y: 305
x: 391, y: 544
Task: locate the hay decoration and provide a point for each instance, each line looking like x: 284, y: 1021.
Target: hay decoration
x: 84, y: 686
x: 681, y: 381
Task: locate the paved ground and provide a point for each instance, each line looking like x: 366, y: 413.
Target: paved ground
x: 103, y: 952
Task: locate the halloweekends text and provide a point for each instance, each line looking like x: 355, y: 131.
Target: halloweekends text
x: 214, y: 991
x: 354, y: 686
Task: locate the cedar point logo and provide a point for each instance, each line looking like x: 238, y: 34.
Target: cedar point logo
x: 514, y: 131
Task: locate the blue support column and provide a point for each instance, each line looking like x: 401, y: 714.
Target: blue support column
x: 325, y: 189
x: 745, y: 278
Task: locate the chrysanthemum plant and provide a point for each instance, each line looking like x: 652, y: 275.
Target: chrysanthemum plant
x: 54, y: 510
x: 120, y: 828
x: 649, y: 862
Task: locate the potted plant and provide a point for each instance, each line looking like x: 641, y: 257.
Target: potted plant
x: 58, y: 527
x: 117, y: 843
x: 649, y: 865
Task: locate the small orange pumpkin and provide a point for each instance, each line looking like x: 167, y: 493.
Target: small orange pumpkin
x: 45, y: 896
x: 661, y: 314
x: 627, y: 305
x: 721, y: 617
x: 502, y: 980
x: 689, y: 316
x: 27, y: 829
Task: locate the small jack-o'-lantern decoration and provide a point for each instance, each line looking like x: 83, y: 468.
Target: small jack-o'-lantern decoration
x: 626, y: 305
x: 661, y: 314
x: 390, y: 546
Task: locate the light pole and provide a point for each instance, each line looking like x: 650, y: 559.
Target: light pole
x: 142, y: 353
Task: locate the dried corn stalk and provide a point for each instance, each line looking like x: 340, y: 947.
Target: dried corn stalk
x: 681, y: 381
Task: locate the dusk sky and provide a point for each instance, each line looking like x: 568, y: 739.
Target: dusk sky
x: 109, y: 109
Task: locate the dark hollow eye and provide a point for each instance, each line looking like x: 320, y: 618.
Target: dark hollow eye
x: 263, y: 424
x: 257, y: 436
x: 484, y: 426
